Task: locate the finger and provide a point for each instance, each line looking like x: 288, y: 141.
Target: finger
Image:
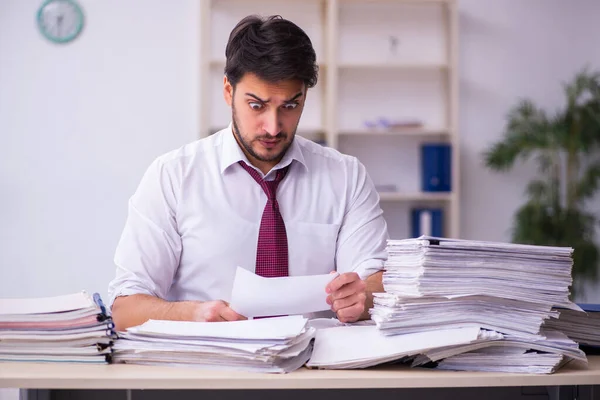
x: 340, y: 304
x: 341, y: 280
x: 351, y: 314
x: 348, y: 290
x: 229, y: 315
x: 213, y: 314
x: 348, y: 302
x: 212, y: 311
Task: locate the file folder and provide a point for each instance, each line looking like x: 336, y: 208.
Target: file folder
x: 436, y: 167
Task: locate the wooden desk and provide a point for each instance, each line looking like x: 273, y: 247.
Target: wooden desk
x: 75, y: 376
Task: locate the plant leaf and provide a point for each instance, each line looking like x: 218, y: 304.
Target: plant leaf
x: 539, y: 191
x: 527, y: 130
x: 589, y: 182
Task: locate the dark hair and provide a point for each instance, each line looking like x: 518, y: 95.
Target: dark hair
x: 273, y: 48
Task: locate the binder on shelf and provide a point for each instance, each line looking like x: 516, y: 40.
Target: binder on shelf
x: 427, y: 222
x: 436, y: 165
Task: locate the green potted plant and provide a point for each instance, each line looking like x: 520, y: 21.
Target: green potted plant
x: 566, y: 147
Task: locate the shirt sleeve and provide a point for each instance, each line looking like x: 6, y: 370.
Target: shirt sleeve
x: 363, y: 236
x: 149, y: 250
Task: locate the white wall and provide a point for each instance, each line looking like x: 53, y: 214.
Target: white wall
x: 513, y: 48
x: 79, y: 123
x: 78, y: 126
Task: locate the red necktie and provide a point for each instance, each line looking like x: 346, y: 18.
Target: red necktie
x: 272, y: 249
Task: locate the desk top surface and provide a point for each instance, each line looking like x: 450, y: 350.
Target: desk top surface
x: 121, y: 376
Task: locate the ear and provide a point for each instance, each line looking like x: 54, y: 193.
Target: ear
x: 227, y: 91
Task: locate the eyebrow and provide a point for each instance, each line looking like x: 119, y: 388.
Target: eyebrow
x: 266, y: 101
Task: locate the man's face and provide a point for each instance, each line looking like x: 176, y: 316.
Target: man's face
x: 265, y: 116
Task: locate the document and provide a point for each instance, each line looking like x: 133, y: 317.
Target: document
x: 43, y: 305
x: 67, y: 328
x: 255, y: 296
x: 512, y: 289
x: 280, y: 328
x: 277, y: 345
x: 364, y: 346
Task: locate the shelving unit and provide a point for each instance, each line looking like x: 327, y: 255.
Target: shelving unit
x: 393, y: 59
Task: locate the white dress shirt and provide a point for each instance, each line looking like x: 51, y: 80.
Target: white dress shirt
x: 196, y: 214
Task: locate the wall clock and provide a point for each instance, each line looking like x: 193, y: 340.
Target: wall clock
x: 60, y: 21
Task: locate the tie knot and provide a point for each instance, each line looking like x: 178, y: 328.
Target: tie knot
x: 269, y: 187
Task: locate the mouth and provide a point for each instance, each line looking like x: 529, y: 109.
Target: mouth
x: 269, y: 144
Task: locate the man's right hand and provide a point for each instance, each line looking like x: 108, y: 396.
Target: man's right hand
x: 216, y: 311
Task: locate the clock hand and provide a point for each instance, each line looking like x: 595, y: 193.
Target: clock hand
x: 59, y: 20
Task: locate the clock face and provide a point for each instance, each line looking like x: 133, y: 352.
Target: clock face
x: 60, y: 20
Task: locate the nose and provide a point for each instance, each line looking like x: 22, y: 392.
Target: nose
x: 272, y: 123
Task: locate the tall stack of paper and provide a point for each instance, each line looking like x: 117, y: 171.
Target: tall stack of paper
x: 69, y: 328
x: 277, y: 345
x: 434, y: 283
x: 581, y: 326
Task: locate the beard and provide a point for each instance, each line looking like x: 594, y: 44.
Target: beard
x: 248, y: 145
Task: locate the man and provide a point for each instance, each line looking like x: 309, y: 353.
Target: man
x: 252, y: 195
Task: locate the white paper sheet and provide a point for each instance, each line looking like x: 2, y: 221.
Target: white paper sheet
x: 266, y: 329
x: 335, y: 347
x: 40, y: 305
x: 256, y: 296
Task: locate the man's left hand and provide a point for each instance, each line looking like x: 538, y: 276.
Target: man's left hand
x: 347, y: 296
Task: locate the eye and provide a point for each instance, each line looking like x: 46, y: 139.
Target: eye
x: 290, y: 106
x: 255, y: 106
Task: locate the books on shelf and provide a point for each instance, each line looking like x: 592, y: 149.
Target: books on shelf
x: 427, y: 222
x: 68, y: 328
x: 436, y: 167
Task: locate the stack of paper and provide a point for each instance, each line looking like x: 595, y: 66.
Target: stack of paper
x: 69, y: 328
x: 278, y: 345
x: 503, y: 360
x: 395, y: 314
x: 434, y: 283
x: 544, y: 354
x: 450, y: 268
x: 364, y: 346
x: 581, y: 326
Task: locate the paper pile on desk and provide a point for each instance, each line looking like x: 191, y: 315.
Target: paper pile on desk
x: 544, y: 354
x: 277, y: 345
x: 581, y: 326
x: 69, y: 328
x: 435, y: 283
x: 363, y: 346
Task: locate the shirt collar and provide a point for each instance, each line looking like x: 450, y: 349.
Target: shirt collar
x: 231, y: 153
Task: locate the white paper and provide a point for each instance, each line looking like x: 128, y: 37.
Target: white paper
x: 266, y: 329
x: 354, y: 344
x: 40, y: 305
x: 256, y: 296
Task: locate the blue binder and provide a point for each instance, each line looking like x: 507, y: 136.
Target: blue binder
x: 436, y: 163
x: 427, y: 221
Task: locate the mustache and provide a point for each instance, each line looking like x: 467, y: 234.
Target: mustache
x: 280, y: 135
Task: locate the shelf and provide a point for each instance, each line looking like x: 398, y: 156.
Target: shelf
x: 366, y: 65
x: 366, y: 76
x: 342, y: 2
x: 395, y: 132
x: 392, y: 65
x: 419, y: 196
x: 221, y: 63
